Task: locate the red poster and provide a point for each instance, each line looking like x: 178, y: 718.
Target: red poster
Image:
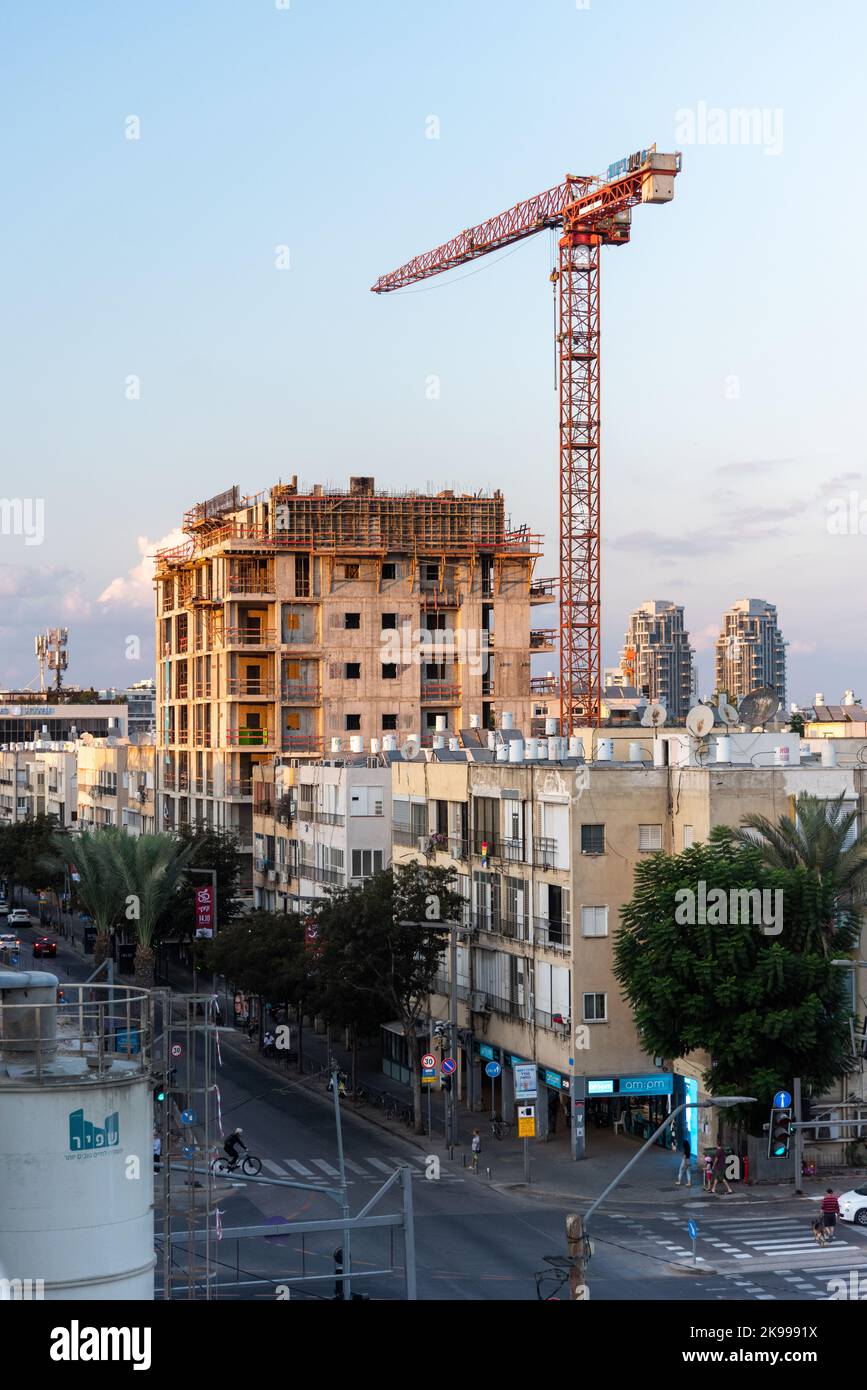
x: 311, y: 934
x: 205, y: 911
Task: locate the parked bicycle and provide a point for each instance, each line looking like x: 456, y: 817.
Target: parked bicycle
x: 222, y: 1166
x: 500, y: 1128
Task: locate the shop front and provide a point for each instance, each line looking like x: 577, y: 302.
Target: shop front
x: 631, y: 1105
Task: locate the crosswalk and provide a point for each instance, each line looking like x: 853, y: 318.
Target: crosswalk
x: 737, y: 1238
x: 370, y: 1169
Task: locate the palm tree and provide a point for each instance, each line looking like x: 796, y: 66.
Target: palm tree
x: 95, y: 856
x: 152, y: 868
x: 814, y: 839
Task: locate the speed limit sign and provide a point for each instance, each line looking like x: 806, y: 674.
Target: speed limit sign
x: 177, y: 1050
x: 428, y: 1062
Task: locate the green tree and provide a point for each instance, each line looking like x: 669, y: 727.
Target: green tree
x: 766, y: 1008
x: 796, y: 724
x: 96, y: 857
x: 26, y: 855
x: 380, y: 949
x: 152, y: 870
x: 264, y: 955
x: 209, y: 849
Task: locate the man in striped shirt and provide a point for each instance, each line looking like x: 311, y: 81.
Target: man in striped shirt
x: 830, y: 1212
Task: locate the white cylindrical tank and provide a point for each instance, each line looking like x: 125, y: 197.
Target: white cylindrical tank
x: 439, y: 741
x: 605, y: 750
x: 442, y: 723
x: 475, y: 721
x: 829, y: 753
x: 454, y: 743
x: 576, y: 746
x: 356, y: 743
x: 516, y: 750
x: 531, y: 750
x: 552, y: 726
x: 336, y: 745
x: 848, y: 697
x: 636, y: 753
x: 76, y: 1144
x: 819, y: 698
x: 660, y: 747
x: 492, y: 739
x: 507, y: 720
x: 543, y: 750
x: 724, y: 748
x: 781, y: 755
x: 389, y: 743
x: 502, y: 752
x: 374, y: 745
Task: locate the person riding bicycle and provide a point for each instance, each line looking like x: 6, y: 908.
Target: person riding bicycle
x: 233, y: 1143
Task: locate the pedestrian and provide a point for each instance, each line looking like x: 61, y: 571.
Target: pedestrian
x: 830, y: 1212
x: 476, y: 1151
x: 708, y: 1171
x: 719, y: 1170
x: 686, y: 1152
x: 252, y: 1029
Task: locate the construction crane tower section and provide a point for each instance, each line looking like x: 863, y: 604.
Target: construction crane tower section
x: 592, y: 212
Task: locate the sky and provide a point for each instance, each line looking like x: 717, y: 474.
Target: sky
x: 198, y: 195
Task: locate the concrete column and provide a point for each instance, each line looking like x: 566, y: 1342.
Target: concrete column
x: 508, y: 1093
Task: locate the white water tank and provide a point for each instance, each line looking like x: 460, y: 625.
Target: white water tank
x: 454, y: 743
x: 819, y: 698
x: 829, y: 753
x: 507, y: 720
x: 442, y: 723
x: 781, y: 755
x: 439, y: 741
x: 552, y: 726
x: 605, y: 750
x: 516, y: 750
x: 576, y: 746
x: 374, y: 745
x: 336, y: 745
x: 76, y: 1162
x: 660, y: 749
x: 543, y: 750
x: 724, y: 748
x: 475, y: 721
x: 848, y: 697
x: 356, y: 743
x: 636, y: 753
x: 492, y: 739
x: 502, y: 752
x: 532, y: 749
x: 389, y: 743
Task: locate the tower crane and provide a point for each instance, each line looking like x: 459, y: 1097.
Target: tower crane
x: 592, y: 212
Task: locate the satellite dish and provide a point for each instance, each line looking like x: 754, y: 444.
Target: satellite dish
x: 410, y: 750
x: 758, y: 707
x: 728, y: 713
x: 654, y: 716
x: 699, y: 721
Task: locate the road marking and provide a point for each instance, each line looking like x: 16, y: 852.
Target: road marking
x: 326, y: 1167
x: 273, y: 1167
x: 378, y: 1163
x: 299, y: 1168
x: 356, y: 1168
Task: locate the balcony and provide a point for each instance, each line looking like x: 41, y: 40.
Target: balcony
x: 326, y: 818
x: 403, y: 835
x: 440, y: 693
x: 543, y: 590
x: 543, y: 639
x: 555, y: 1023
x: 253, y: 687
x: 254, y: 582
x: 556, y: 935
x: 435, y: 600
x: 302, y: 743
x: 248, y: 738
x: 545, y: 851
x: 300, y: 693
x: 318, y: 873
x: 202, y: 690
x: 263, y: 807
x: 250, y: 636
x: 512, y: 851
x: 544, y: 685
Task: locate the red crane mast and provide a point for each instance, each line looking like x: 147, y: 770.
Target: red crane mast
x: 592, y: 212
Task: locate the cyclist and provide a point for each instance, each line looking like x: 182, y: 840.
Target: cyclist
x: 232, y: 1144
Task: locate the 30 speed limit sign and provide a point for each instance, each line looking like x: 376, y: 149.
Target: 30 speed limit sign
x: 428, y: 1062
x: 177, y: 1050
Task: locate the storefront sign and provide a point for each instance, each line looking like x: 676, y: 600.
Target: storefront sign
x: 485, y: 1050
x: 552, y: 1078
x: 205, y: 911
x: 646, y: 1085
x: 600, y: 1088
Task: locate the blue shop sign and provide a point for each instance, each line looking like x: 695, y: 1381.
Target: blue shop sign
x: 600, y: 1088
x: 552, y: 1078
x: 485, y: 1050
x: 646, y: 1085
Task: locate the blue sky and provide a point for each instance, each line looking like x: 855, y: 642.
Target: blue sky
x: 732, y: 364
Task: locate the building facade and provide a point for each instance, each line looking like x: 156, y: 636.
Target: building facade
x: 750, y: 651
x: 657, y: 660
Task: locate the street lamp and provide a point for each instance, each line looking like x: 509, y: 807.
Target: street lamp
x: 717, y: 1102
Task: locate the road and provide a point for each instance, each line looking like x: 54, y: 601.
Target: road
x: 473, y: 1241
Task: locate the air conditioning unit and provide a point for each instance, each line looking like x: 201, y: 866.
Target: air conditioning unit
x: 422, y: 843
x: 479, y: 1003
x: 272, y: 875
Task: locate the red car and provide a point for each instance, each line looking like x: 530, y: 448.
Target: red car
x: 44, y: 946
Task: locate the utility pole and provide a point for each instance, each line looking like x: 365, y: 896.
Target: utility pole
x: 453, y: 1030
x: 799, y: 1136
x: 576, y: 1247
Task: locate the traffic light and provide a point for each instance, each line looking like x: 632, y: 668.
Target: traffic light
x: 159, y: 1093
x: 780, y: 1132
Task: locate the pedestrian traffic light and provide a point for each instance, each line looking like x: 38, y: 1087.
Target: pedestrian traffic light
x: 780, y: 1132
x: 160, y: 1093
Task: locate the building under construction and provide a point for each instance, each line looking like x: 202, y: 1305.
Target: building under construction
x: 304, y: 623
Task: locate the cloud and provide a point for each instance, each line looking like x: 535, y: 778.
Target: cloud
x: 704, y: 639
x: 136, y: 589
x: 799, y: 648
x: 752, y: 466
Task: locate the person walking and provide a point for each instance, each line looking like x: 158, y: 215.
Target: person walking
x: 719, y: 1170
x: 476, y: 1151
x: 830, y: 1212
x: 686, y: 1155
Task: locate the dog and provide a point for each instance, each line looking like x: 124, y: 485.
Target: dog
x: 820, y: 1231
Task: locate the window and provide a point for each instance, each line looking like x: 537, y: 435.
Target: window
x: 353, y: 723
x: 350, y: 571
x: 649, y: 837
x: 389, y: 671
x: 366, y: 862
x: 352, y: 620
x: 688, y: 833
x: 593, y: 839
x: 431, y: 574
x: 594, y: 921
x: 389, y: 570
x: 595, y: 1008
x: 389, y: 620
x: 352, y: 671
x: 389, y: 721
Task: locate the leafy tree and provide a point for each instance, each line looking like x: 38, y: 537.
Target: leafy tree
x: 26, y: 855
x: 265, y: 955
x: 378, y: 956
x: 209, y: 849
x: 95, y: 856
x: 152, y: 869
x: 765, y: 1008
x: 796, y: 724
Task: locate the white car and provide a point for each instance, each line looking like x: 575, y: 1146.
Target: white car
x: 20, y: 917
x: 8, y: 941
x: 853, y: 1206
x: 4, y: 908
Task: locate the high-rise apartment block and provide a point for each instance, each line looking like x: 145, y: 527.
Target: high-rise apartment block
x: 290, y: 621
x: 657, y: 659
x: 750, y: 651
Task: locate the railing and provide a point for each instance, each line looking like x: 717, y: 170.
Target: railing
x: 545, y: 851
x: 458, y: 848
x: 542, y: 638
x: 255, y: 583
x: 328, y: 818
x: 512, y: 851
x: 401, y: 836
x: 202, y: 690
x: 554, y: 934
x: 249, y: 738
x: 544, y: 685
x: 302, y: 743
x: 434, y: 599
x: 440, y: 692
x: 318, y: 873
x: 263, y: 807
x: 553, y: 1022
x: 297, y: 692
x: 498, y: 1005
x: 256, y: 685
x: 543, y: 589
x: 240, y: 787
x: 250, y: 636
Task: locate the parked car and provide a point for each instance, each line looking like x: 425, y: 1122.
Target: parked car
x: 20, y: 917
x: 4, y: 908
x: 853, y: 1206
x: 44, y: 946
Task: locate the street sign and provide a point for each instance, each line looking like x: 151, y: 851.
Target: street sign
x: 205, y: 907
x: 449, y: 1065
x: 188, y: 1117
x: 692, y: 1228
x: 493, y: 1069
x: 427, y: 1078
x: 782, y: 1100
x: 428, y: 1062
x: 526, y: 1122
x: 526, y: 1081
x: 177, y: 1050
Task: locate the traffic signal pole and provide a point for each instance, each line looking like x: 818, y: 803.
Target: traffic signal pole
x: 799, y: 1136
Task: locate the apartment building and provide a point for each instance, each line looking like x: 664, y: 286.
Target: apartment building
x: 116, y: 785
x: 657, y: 660
x: 38, y: 781
x: 141, y: 703
x: 750, y: 651
x: 318, y: 826
x: 545, y: 850
x: 293, y: 618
